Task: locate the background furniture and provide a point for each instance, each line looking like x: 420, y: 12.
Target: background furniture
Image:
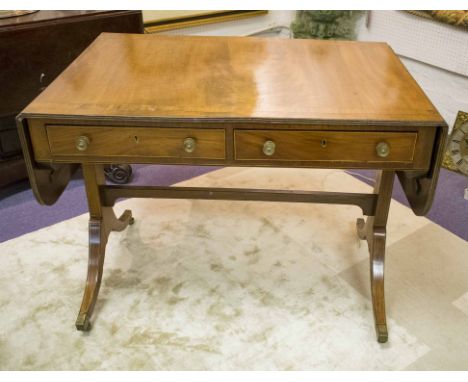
x: 158, y: 21
x: 34, y: 50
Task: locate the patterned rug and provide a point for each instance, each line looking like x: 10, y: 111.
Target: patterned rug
x: 220, y: 285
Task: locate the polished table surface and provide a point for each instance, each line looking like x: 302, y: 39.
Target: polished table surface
x: 234, y: 101
x: 237, y: 77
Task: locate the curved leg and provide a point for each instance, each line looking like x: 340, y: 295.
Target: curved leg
x: 361, y: 229
x: 101, y: 223
x: 93, y: 280
x: 377, y: 262
x: 374, y: 231
x: 119, y: 224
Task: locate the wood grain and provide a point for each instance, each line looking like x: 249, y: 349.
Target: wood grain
x: 134, y: 142
x: 102, y: 221
x: 374, y: 231
x: 324, y: 145
x: 151, y: 76
x: 65, y: 151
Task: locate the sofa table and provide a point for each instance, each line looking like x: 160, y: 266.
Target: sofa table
x: 234, y: 101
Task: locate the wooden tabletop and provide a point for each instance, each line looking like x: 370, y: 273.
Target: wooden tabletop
x: 192, y: 77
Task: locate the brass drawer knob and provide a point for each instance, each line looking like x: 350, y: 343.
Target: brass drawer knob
x: 383, y: 149
x: 269, y: 148
x: 82, y: 143
x: 189, y: 145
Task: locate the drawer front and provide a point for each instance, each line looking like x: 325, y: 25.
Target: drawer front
x: 135, y: 142
x: 342, y: 146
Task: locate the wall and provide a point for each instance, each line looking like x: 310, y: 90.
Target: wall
x: 434, y: 53
x: 447, y: 91
x: 242, y: 27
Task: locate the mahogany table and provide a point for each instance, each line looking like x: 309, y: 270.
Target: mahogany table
x: 234, y: 101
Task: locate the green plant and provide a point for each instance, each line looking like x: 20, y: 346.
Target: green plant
x: 326, y: 25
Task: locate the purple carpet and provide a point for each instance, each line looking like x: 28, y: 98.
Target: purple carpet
x: 20, y: 213
x: 449, y: 209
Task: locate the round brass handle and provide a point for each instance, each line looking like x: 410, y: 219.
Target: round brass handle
x: 383, y: 149
x: 269, y: 148
x: 82, y: 143
x: 189, y: 145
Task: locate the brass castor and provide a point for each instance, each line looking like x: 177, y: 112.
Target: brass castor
x: 82, y: 323
x: 382, y: 333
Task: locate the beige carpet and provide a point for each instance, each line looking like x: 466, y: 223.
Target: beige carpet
x: 237, y: 285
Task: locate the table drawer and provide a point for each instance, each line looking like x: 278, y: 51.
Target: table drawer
x: 135, y: 142
x: 343, y: 146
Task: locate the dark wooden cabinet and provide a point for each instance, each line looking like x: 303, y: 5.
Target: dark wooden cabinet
x: 34, y: 50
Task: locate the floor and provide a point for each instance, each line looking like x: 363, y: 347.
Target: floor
x: 20, y: 213
x: 237, y: 285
